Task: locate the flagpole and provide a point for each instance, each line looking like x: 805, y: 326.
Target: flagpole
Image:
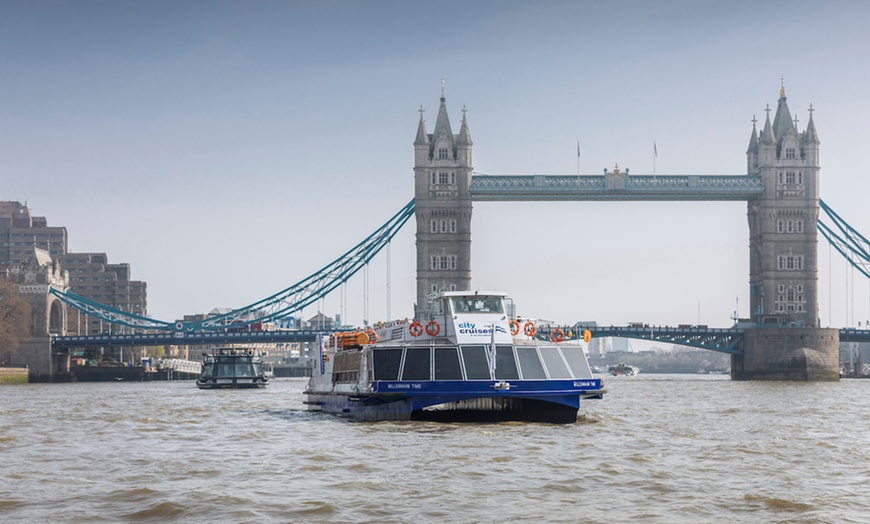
x: 578, y: 159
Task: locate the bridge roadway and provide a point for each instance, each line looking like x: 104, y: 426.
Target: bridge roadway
x: 178, y: 338
x: 724, y: 340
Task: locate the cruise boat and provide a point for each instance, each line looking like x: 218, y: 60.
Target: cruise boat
x: 231, y: 368
x: 468, y: 362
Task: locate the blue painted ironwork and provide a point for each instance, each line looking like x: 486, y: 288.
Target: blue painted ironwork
x: 854, y: 335
x: 615, y: 186
x: 846, y: 240
x: 723, y: 340
x: 188, y: 338
x: 279, y: 305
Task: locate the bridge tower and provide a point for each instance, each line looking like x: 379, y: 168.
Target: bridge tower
x: 34, y: 277
x: 783, y: 256
x: 442, y: 178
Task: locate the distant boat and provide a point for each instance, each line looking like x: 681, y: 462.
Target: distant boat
x: 623, y: 370
x: 232, y: 368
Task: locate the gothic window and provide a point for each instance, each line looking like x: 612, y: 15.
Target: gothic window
x: 453, y: 178
x: 434, y: 262
x: 443, y: 226
x: 433, y: 226
x: 790, y: 262
x: 800, y: 177
x: 790, y: 295
x: 781, y: 289
x: 789, y: 152
x: 442, y: 153
x: 442, y: 178
x: 800, y: 288
x: 453, y: 226
x: 780, y: 178
x: 433, y: 177
x: 789, y: 177
x: 789, y: 226
x: 434, y: 288
x: 799, y: 226
x: 780, y: 227
x: 452, y: 287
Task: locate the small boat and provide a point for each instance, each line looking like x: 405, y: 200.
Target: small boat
x: 623, y: 369
x: 468, y: 361
x: 231, y: 368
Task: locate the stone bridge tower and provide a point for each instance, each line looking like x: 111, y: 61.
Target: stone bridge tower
x: 783, y: 257
x: 34, y: 277
x: 442, y: 179
x: 783, y: 239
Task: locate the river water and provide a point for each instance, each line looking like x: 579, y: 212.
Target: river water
x: 660, y: 448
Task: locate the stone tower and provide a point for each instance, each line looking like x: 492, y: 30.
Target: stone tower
x: 783, y: 239
x: 35, y: 277
x: 786, y: 342
x: 442, y: 179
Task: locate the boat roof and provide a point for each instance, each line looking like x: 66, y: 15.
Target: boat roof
x: 450, y: 294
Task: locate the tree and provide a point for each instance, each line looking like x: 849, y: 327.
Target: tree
x: 15, y: 317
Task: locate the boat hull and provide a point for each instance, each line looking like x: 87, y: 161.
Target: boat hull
x: 230, y: 383
x: 462, y: 401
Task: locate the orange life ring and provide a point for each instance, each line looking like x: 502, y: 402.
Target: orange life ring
x: 432, y: 328
x: 415, y: 329
x: 557, y: 335
x: 529, y: 329
x: 373, y: 337
x: 587, y: 336
x: 515, y: 327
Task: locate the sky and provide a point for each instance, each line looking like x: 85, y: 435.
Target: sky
x: 227, y: 150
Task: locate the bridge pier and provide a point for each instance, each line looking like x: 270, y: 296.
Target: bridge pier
x: 787, y: 353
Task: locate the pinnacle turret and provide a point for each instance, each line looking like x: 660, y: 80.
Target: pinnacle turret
x: 422, y: 137
x: 464, y: 136
x: 810, y: 136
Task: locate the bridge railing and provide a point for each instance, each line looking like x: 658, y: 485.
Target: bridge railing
x: 586, y: 187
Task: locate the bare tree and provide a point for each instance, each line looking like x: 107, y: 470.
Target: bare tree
x: 15, y: 318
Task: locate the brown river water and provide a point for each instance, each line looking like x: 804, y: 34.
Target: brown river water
x: 657, y: 448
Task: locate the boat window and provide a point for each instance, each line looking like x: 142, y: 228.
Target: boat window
x: 226, y: 369
x: 416, y: 364
x: 447, y: 364
x: 476, y: 365
x: 577, y: 361
x: 477, y: 305
x: 505, y: 364
x: 387, y: 363
x: 244, y: 369
x: 530, y: 363
x: 208, y: 370
x: 555, y: 365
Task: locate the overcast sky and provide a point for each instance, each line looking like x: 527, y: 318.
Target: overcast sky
x: 227, y: 150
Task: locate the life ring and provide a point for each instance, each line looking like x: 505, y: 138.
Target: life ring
x: 515, y: 327
x: 432, y: 328
x: 529, y: 329
x: 373, y: 337
x: 557, y: 335
x: 415, y: 329
x: 587, y: 336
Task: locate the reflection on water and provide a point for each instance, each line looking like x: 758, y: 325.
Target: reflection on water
x: 673, y: 448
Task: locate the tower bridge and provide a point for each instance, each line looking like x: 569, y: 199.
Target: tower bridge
x: 781, y: 188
